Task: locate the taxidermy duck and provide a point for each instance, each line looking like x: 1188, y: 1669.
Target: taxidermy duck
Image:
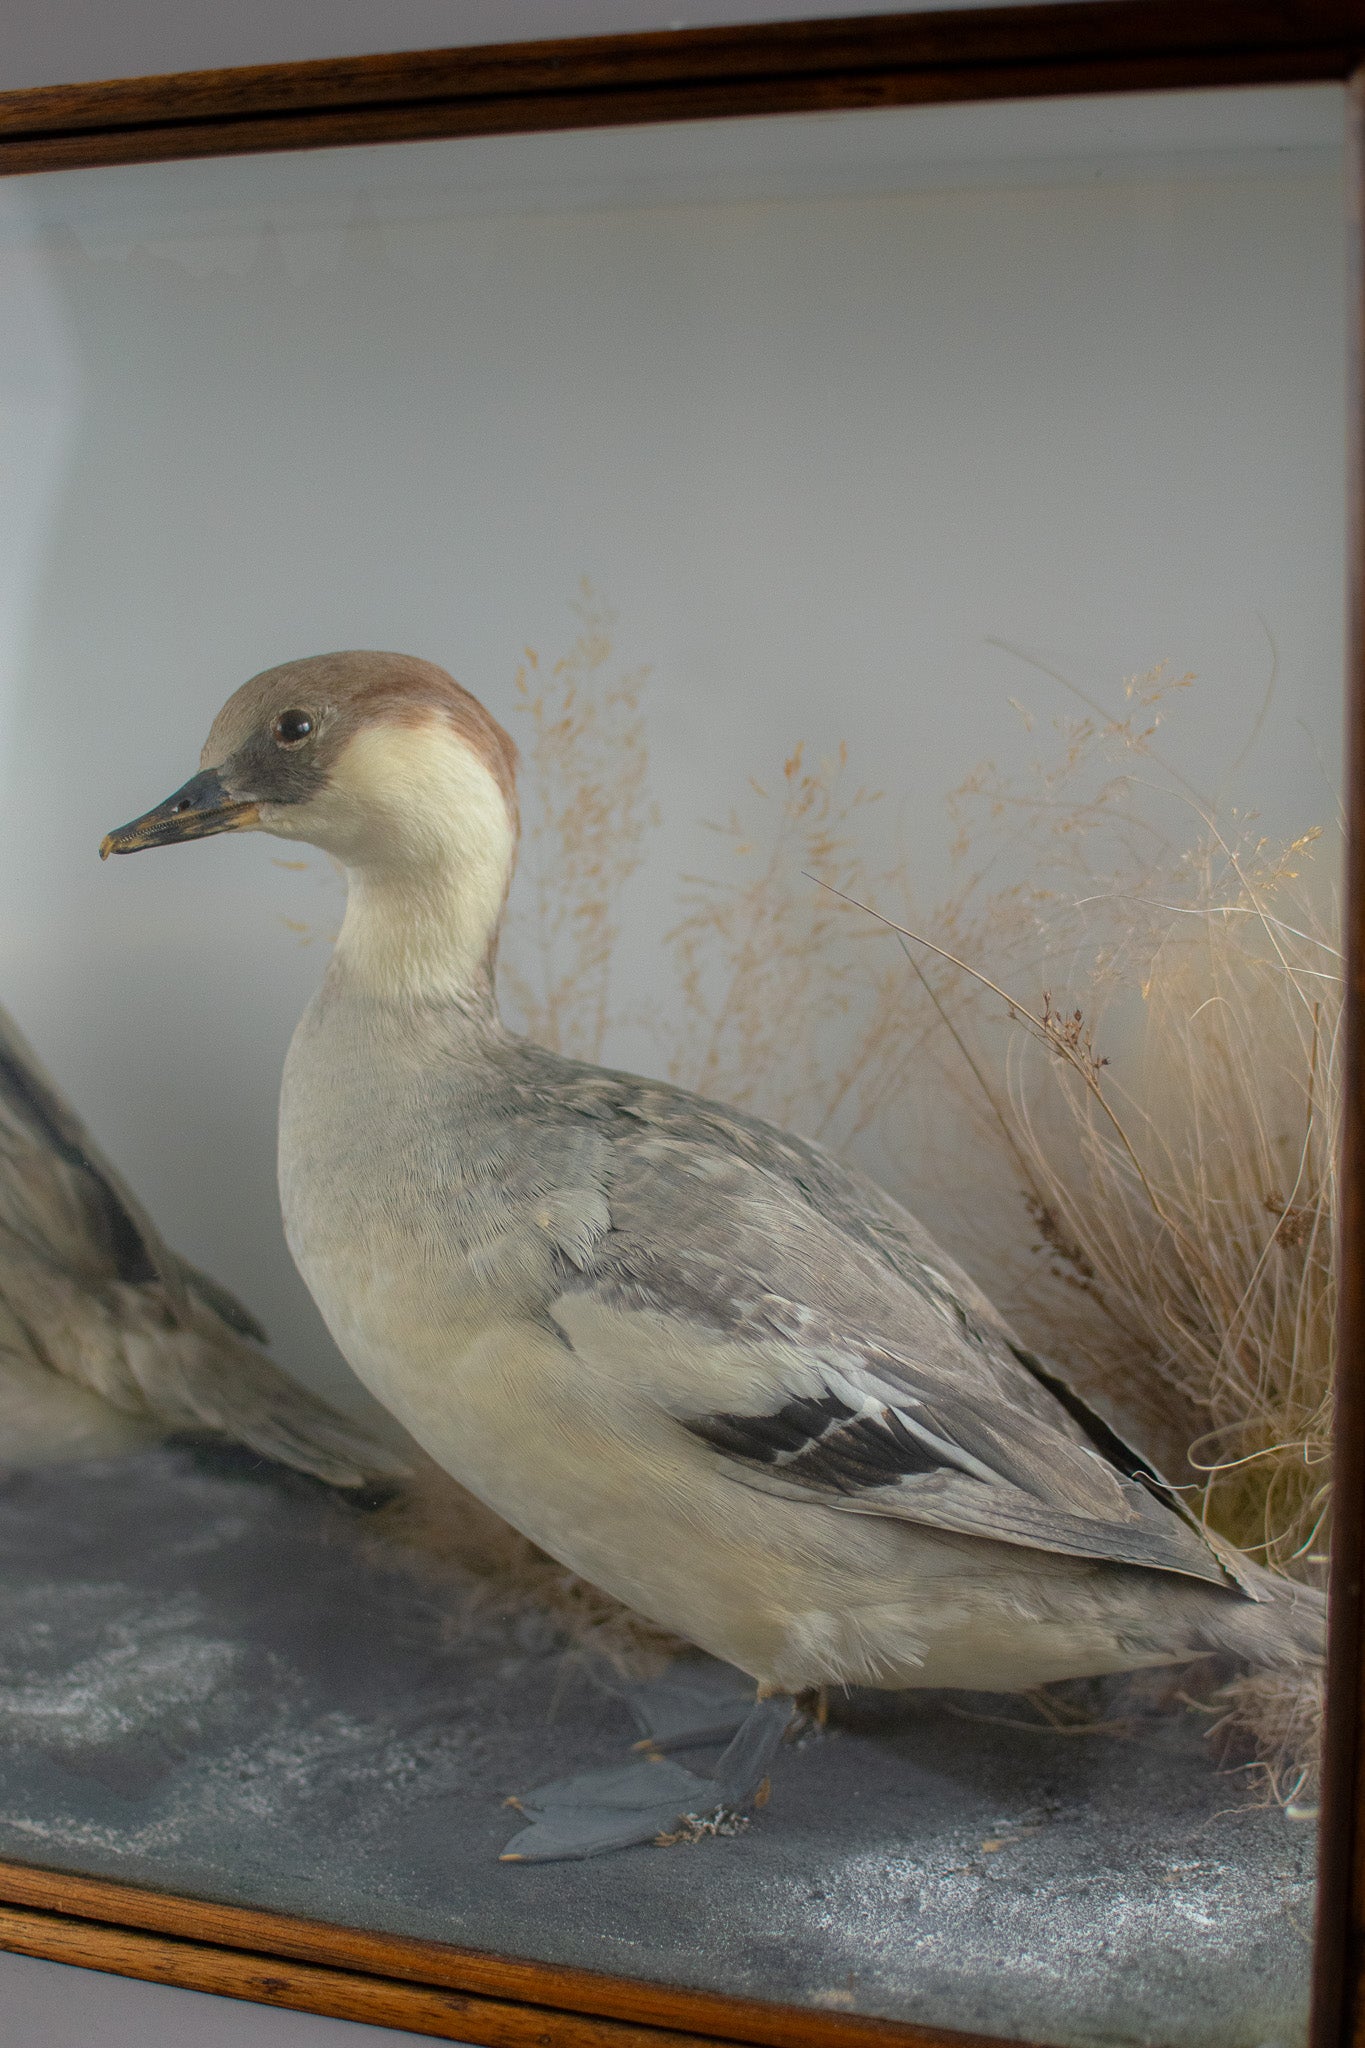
x: 711, y: 1369
x: 108, y: 1339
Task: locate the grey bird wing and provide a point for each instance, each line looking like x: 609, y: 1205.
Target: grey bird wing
x: 824, y: 1348
x: 59, y: 1191
x: 107, y: 1336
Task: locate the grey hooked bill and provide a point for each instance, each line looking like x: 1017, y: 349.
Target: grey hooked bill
x: 197, y: 809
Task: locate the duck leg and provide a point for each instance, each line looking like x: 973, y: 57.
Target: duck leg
x: 652, y: 1799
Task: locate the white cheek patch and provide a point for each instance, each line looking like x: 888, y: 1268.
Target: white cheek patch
x: 419, y: 790
x: 422, y: 824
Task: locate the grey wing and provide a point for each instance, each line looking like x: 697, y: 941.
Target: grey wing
x: 107, y: 1337
x: 59, y: 1193
x: 821, y: 1361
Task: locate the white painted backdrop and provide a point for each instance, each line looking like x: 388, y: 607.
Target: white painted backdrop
x: 824, y: 410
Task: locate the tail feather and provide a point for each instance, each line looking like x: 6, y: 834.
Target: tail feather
x: 1281, y: 1627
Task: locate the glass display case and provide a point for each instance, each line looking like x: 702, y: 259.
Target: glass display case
x: 890, y: 480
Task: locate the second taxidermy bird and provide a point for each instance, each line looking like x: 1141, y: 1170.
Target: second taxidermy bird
x: 108, y: 1339
x: 711, y: 1369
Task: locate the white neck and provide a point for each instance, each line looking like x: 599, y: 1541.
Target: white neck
x: 415, y: 942
x: 427, y: 875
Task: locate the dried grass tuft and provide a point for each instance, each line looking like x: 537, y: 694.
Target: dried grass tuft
x: 1142, y: 1029
x: 1272, y: 1722
x: 586, y: 815
x: 1181, y: 1183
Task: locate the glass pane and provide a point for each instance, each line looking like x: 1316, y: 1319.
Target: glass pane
x: 939, y: 509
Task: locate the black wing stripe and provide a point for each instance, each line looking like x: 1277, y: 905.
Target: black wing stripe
x: 823, y: 1443
x: 1102, y: 1435
x: 766, y: 1438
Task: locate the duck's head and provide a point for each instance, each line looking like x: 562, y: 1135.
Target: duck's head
x: 382, y: 761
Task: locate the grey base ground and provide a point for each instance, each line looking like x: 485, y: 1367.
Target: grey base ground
x: 208, y: 1684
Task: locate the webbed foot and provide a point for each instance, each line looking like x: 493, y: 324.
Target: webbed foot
x: 693, y: 1705
x: 652, y: 1800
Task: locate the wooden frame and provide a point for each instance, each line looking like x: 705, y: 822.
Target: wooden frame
x: 1088, y: 46
x: 610, y: 81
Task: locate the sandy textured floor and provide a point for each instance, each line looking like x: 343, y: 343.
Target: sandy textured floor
x: 207, y: 1685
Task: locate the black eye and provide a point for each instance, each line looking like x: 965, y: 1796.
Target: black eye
x: 292, y: 726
